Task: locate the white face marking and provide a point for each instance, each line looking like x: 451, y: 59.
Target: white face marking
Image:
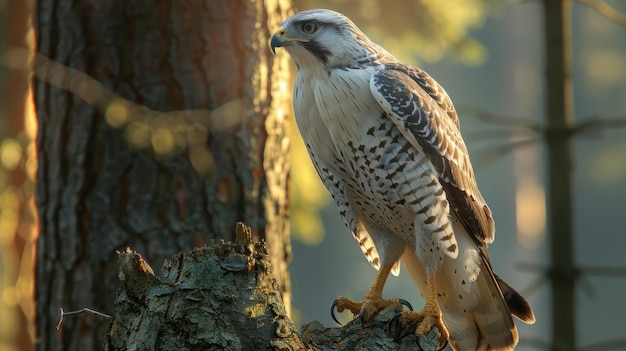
x: 336, y: 42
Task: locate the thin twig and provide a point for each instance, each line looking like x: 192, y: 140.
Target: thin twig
x: 587, y: 287
x: 84, y: 310
x: 498, y: 134
x: 596, y: 124
x: 606, y: 10
x: 605, y: 271
x: 531, y: 288
x: 509, y: 121
x: 492, y: 154
x: 581, y: 272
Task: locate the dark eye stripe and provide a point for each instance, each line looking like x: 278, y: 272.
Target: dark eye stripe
x: 318, y: 50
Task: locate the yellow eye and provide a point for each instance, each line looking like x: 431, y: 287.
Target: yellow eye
x: 309, y: 27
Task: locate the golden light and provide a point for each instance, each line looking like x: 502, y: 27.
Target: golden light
x: 530, y: 199
x: 117, y: 113
x: 310, y: 227
x: 139, y: 134
x: 227, y: 115
x: 530, y: 211
x: 9, y: 218
x: 162, y: 141
x: 10, y: 154
x: 201, y: 159
x: 9, y: 296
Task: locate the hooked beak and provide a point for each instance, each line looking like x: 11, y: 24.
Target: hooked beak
x: 276, y: 42
x: 279, y: 39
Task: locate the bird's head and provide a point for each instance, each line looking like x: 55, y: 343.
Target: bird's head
x: 325, y: 37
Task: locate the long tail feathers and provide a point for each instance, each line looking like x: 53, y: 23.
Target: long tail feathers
x: 488, y: 324
x: 518, y: 306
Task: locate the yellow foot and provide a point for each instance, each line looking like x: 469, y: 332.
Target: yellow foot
x: 426, y: 320
x: 365, y: 308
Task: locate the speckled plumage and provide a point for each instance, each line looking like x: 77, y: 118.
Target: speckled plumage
x: 386, y: 142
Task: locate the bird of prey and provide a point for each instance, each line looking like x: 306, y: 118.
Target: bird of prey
x: 385, y: 139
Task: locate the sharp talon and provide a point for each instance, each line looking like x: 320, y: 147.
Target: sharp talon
x: 332, y: 310
x: 392, y: 320
x: 362, y: 313
x: 400, y: 333
x: 405, y: 303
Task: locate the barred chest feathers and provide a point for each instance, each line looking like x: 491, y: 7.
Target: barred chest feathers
x: 389, y: 184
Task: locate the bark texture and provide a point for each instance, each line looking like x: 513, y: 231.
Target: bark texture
x: 145, y: 178
x: 219, y: 297
x: 223, y: 297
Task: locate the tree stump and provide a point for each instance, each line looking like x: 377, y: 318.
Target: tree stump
x: 223, y: 297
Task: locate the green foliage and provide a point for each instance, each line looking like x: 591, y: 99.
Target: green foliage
x: 420, y: 29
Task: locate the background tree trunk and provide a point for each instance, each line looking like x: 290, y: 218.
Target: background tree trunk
x: 102, y: 188
x: 560, y: 121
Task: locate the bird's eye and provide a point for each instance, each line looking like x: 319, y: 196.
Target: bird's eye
x: 309, y: 27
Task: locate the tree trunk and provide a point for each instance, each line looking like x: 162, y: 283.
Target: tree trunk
x: 222, y: 297
x: 560, y: 118
x: 219, y: 297
x: 114, y: 174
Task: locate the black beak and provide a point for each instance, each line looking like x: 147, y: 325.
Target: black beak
x: 276, y: 42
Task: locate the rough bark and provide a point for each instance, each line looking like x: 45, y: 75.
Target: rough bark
x: 223, y: 297
x: 218, y: 297
x: 96, y: 194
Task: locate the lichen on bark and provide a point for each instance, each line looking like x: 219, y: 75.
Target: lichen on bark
x: 221, y: 296
x: 224, y: 297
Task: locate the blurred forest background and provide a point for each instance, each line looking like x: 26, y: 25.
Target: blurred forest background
x: 489, y: 56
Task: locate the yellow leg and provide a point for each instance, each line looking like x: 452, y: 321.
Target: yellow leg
x: 372, y: 301
x: 430, y: 316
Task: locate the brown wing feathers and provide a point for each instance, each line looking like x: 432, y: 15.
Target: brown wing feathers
x: 421, y: 107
